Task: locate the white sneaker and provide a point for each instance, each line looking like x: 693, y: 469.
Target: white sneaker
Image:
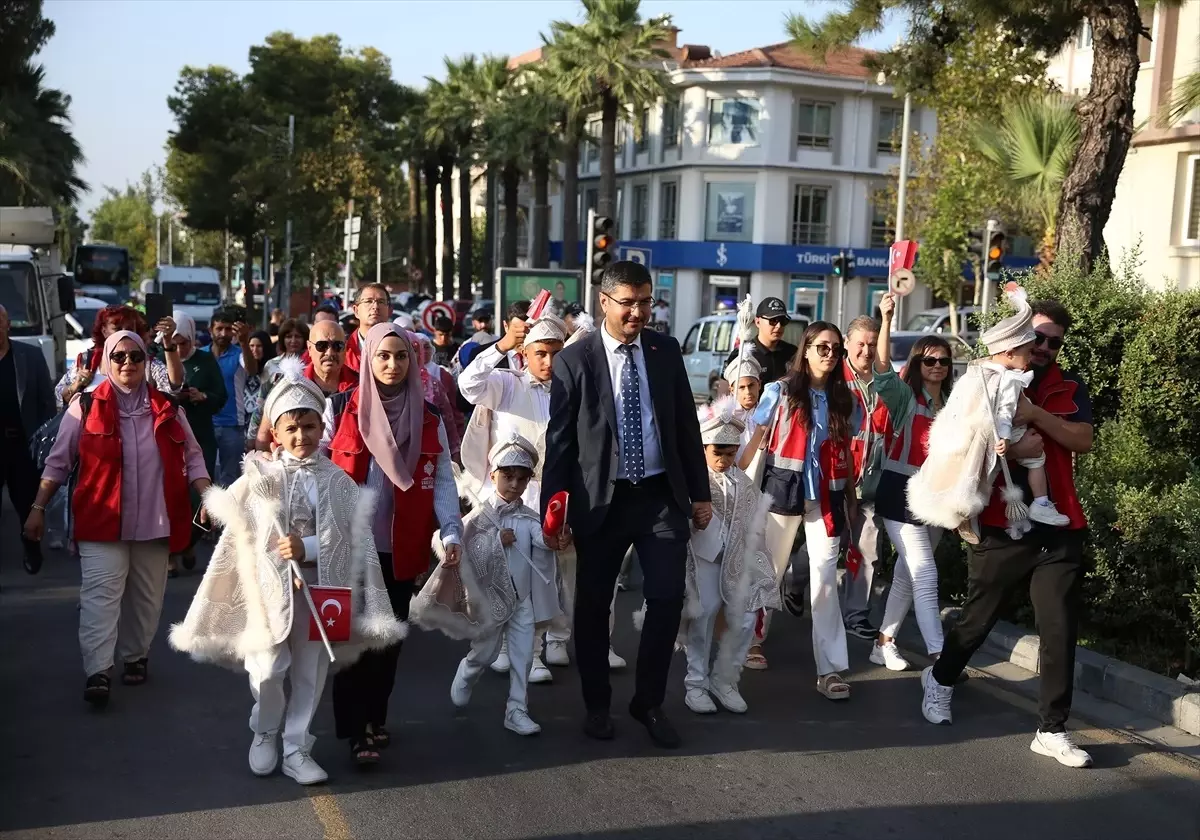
x: 556, y: 653
x: 539, y: 673
x: 519, y: 721
x: 1060, y: 747
x: 698, y: 701
x: 615, y: 662
x: 502, y: 663
x: 1048, y: 514
x: 936, y: 703
x: 728, y: 696
x: 460, y: 689
x: 301, y: 767
x: 888, y: 655
x: 264, y: 753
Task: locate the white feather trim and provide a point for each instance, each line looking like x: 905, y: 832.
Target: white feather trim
x: 291, y: 368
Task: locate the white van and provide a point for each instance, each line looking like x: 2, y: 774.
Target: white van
x: 195, y: 290
x: 707, y: 346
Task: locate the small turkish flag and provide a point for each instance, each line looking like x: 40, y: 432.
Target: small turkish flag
x: 854, y: 561
x: 333, y: 606
x: 538, y: 308
x: 556, y: 515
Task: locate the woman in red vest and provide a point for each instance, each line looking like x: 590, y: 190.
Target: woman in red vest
x: 808, y: 419
x: 136, y: 456
x: 388, y: 438
x: 911, y: 398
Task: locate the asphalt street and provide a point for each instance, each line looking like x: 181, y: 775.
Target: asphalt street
x: 168, y: 759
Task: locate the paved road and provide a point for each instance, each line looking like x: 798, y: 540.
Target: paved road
x: 169, y: 759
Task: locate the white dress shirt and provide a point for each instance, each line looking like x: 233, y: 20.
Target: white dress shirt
x: 651, y: 446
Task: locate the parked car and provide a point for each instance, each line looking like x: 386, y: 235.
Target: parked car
x: 938, y: 321
x: 707, y: 346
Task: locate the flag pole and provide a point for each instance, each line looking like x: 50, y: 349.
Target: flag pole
x: 312, y: 608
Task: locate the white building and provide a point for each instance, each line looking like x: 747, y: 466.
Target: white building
x: 760, y: 167
x: 1158, y: 194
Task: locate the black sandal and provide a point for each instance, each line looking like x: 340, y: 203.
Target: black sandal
x: 363, y: 752
x: 96, y: 690
x: 379, y: 736
x: 135, y: 673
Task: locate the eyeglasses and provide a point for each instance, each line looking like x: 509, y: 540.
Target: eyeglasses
x: 644, y: 303
x: 935, y: 361
x: 1051, y: 341
x: 134, y: 357
x: 373, y: 302
x: 827, y: 350
x: 326, y: 346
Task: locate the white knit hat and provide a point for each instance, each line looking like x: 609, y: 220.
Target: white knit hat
x: 293, y: 390
x: 719, y: 424
x: 741, y: 368
x: 1015, y: 330
x: 514, y: 451
x: 548, y: 327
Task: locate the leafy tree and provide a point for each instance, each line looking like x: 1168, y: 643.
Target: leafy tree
x: 1105, y: 113
x: 616, y: 62
x: 560, y: 71
x: 126, y: 218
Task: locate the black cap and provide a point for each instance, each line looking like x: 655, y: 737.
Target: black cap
x: 772, y: 309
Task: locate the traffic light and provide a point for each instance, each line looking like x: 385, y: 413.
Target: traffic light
x: 601, y: 245
x: 995, y: 255
x: 985, y: 248
x: 844, y: 265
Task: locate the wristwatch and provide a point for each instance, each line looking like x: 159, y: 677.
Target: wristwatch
x: 170, y: 348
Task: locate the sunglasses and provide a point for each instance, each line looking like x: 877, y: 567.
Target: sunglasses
x: 827, y: 350
x: 135, y: 357
x: 935, y: 361
x: 325, y: 346
x: 1053, y: 342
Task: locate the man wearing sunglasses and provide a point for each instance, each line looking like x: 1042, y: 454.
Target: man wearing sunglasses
x: 372, y: 305
x: 1060, y: 413
x: 769, y: 349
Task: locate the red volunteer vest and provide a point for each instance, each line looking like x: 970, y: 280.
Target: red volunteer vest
x: 787, y: 449
x: 97, y: 496
x: 905, y: 449
x: 873, y: 423
x: 1056, y: 395
x: 413, y: 518
x: 347, y: 378
x: 353, y: 352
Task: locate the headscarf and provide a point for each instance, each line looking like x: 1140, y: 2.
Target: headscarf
x: 431, y: 374
x: 130, y: 402
x: 186, y: 327
x: 390, y: 423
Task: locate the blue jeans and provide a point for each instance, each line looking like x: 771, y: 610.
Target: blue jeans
x: 231, y: 446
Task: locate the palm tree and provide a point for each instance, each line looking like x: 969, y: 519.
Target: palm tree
x: 441, y: 130
x: 557, y: 71
x: 411, y: 148
x: 1034, y: 144
x: 1185, y: 98
x: 543, y: 107
x: 614, y: 55
x: 39, y: 157
x: 511, y: 122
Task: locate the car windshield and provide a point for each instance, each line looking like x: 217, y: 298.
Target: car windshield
x: 923, y: 322
x: 16, y: 296
x: 86, y: 318
x: 202, y: 294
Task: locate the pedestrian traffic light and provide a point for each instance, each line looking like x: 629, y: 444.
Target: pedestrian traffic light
x: 602, y: 244
x: 844, y: 265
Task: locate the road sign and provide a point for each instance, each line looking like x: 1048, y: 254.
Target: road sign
x: 350, y: 243
x: 434, y: 311
x: 352, y: 225
x: 902, y: 282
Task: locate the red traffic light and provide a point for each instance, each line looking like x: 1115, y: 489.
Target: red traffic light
x: 604, y: 242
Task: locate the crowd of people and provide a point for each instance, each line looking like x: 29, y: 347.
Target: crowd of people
x: 495, y: 490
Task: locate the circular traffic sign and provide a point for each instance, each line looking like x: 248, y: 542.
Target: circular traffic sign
x: 903, y: 282
x: 436, y: 309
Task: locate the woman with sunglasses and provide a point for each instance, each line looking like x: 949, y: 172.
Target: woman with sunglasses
x: 806, y: 423
x: 913, y: 398
x: 137, y: 459
x: 385, y: 436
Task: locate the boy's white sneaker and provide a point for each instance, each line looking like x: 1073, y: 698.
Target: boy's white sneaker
x: 888, y: 655
x: 556, y: 653
x: 935, y: 705
x: 519, y: 721
x: 1060, y: 747
x: 728, y: 696
x: 539, y: 673
x: 1047, y: 514
x: 615, y: 661
x: 698, y: 701
x: 264, y: 753
x: 460, y: 688
x: 502, y: 663
x: 301, y: 767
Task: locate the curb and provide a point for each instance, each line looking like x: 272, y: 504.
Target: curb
x: 1144, y: 692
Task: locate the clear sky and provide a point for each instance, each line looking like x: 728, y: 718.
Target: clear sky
x: 119, y: 59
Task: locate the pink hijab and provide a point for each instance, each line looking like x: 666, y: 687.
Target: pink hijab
x: 130, y: 403
x: 390, y: 419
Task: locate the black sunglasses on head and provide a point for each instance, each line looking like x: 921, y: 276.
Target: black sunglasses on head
x: 1051, y: 341
x: 934, y: 361
x: 119, y: 357
x: 324, y: 346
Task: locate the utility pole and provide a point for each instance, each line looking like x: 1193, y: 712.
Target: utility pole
x: 379, y: 244
x: 349, y: 249
x: 170, y: 237
x: 902, y: 189
x: 157, y: 240
x: 266, y: 278
x: 992, y: 228
x: 285, y: 299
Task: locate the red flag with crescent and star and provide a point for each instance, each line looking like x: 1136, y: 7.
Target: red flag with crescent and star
x: 556, y: 515
x: 333, y: 606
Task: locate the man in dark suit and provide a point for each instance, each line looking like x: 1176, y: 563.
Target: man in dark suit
x: 624, y: 442
x: 26, y: 402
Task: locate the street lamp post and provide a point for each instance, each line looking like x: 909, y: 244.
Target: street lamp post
x: 902, y: 189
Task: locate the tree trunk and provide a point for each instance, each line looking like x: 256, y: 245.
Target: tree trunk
x: 539, y: 228
x: 607, y: 205
x: 511, y: 178
x: 447, y: 196
x: 465, y: 243
x: 248, y: 270
x: 489, y: 245
x: 416, y: 245
x: 429, y: 284
x: 1105, y: 130
x: 570, y: 196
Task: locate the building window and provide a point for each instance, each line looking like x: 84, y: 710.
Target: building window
x: 814, y: 125
x: 668, y: 195
x: 883, y: 233
x: 733, y: 122
x: 1083, y: 38
x: 810, y: 215
x: 670, y: 124
x: 891, y: 121
x: 641, y: 140
x: 1191, y: 207
x: 641, y: 211
x: 1146, y: 45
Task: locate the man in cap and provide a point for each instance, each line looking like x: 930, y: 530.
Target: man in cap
x: 772, y: 353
